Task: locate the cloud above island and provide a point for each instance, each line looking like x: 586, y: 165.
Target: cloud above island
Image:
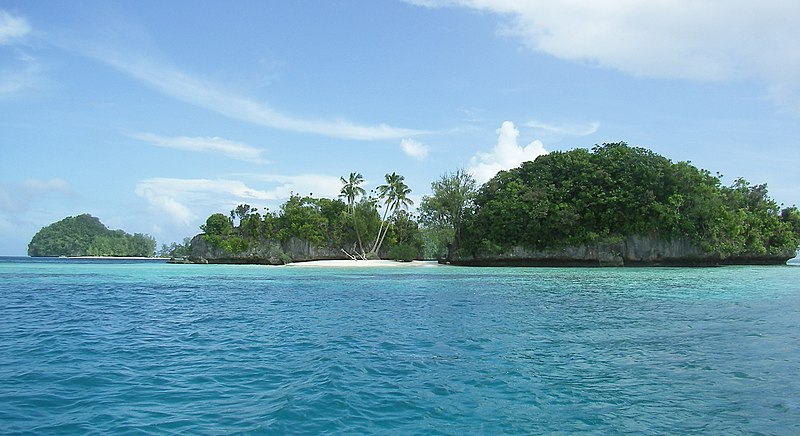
x: 187, y: 202
x: 506, y: 154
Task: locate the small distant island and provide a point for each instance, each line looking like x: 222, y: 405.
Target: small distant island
x: 614, y: 205
x: 85, y: 235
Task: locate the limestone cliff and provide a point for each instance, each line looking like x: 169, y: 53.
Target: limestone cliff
x: 636, y: 250
x: 270, y: 252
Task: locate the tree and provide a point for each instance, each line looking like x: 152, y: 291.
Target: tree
x: 301, y: 217
x: 404, y: 236
x: 443, y: 212
x: 216, y: 229
x: 350, y: 192
x: 394, y: 195
x: 175, y: 249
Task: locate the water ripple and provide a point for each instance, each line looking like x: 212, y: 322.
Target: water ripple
x: 155, y: 349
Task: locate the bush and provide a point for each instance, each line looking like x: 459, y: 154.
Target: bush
x: 403, y: 252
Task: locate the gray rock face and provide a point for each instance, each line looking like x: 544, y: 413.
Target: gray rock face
x: 271, y: 252
x: 301, y: 250
x: 637, y: 250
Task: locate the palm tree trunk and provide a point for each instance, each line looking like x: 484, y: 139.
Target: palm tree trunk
x: 358, y: 235
x: 375, y: 247
x: 385, y: 231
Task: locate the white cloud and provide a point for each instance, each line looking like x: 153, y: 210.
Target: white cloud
x: 303, y: 184
x: 207, y: 95
x: 19, y: 198
x: 40, y: 187
x: 12, y: 28
x: 214, y: 145
x: 567, y: 129
x: 506, y: 154
x: 178, y: 212
x: 24, y: 72
x: 415, y: 149
x: 687, y: 39
x: 185, y: 201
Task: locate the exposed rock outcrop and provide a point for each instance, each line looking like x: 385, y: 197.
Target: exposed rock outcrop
x: 270, y: 252
x: 636, y: 250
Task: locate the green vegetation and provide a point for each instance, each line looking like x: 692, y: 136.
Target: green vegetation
x: 326, y: 223
x: 85, y: 235
x: 351, y: 190
x: 577, y: 197
x: 561, y: 199
x: 444, y: 212
x: 176, y: 250
x: 395, y: 198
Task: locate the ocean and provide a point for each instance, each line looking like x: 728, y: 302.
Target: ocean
x: 144, y: 347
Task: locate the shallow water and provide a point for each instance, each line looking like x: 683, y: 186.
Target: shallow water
x: 144, y: 347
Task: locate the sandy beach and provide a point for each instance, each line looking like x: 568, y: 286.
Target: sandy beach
x: 118, y: 258
x: 363, y: 264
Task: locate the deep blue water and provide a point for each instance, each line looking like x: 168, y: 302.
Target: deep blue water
x: 142, y: 347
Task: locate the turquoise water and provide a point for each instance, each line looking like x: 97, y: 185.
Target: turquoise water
x: 116, y: 347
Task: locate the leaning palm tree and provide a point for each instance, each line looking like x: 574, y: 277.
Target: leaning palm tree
x: 350, y: 191
x: 394, y: 195
x: 385, y: 193
x: 401, y: 201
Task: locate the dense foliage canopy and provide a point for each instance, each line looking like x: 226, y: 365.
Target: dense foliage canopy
x: 578, y: 196
x: 561, y: 199
x: 85, y: 235
x: 324, y: 222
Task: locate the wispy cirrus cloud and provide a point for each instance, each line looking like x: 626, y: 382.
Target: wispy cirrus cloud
x: 18, y: 198
x: 565, y: 129
x: 684, y: 39
x: 26, y: 74
x: 182, y: 200
x: 12, y: 28
x: 21, y: 71
x: 204, y: 144
x: 205, y: 94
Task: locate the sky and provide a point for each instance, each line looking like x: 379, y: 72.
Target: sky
x: 153, y: 115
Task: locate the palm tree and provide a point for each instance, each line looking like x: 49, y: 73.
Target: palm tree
x: 385, y: 193
x: 350, y: 191
x: 395, y: 195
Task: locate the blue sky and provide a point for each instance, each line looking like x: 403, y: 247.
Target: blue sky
x: 153, y: 115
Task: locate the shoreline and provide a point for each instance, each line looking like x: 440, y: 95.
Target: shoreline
x: 115, y: 257
x: 374, y: 263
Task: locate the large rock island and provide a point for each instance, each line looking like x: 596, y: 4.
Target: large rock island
x: 621, y: 206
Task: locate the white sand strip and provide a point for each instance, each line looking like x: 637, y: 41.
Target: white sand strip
x: 363, y: 264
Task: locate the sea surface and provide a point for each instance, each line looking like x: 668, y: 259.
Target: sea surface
x: 143, y: 347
